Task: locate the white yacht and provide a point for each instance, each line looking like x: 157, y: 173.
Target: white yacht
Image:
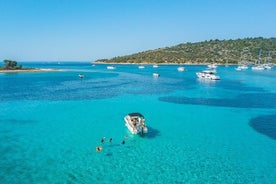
x: 245, y: 56
x: 155, y: 66
x: 258, y: 63
x: 135, y: 122
x: 111, y: 67
x: 156, y: 75
x: 81, y: 76
x: 141, y: 66
x: 267, y: 66
x: 267, y: 63
x: 258, y: 67
x: 208, y: 74
x: 212, y: 66
x: 181, y: 68
x: 241, y: 67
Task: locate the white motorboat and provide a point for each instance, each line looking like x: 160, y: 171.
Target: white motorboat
x: 208, y: 74
x: 241, y: 67
x: 111, y: 67
x: 245, y: 55
x: 135, y: 122
x: 155, y: 66
x: 141, y: 67
x: 155, y: 75
x: 258, y: 63
x: 267, y: 66
x: 181, y: 68
x: 81, y: 76
x: 258, y: 67
x: 212, y: 66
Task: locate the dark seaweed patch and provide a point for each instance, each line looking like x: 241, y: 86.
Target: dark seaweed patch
x: 265, y: 124
x: 248, y: 100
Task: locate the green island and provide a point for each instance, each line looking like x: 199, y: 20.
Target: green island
x: 11, y: 66
x: 212, y: 51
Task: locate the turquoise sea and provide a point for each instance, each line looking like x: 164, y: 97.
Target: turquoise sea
x: 199, y: 131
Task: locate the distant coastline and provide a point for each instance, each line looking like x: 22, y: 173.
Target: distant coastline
x: 224, y: 52
x: 126, y: 63
x: 10, y: 66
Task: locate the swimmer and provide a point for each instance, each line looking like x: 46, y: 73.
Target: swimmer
x: 110, y: 140
x: 123, y: 142
x: 99, y: 148
x: 102, y: 140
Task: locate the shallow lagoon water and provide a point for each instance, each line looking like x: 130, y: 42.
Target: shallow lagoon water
x: 199, y: 132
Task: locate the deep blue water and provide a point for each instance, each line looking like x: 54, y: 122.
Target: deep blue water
x: 199, y: 131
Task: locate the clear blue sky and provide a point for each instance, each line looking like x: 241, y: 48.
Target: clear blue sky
x: 86, y: 30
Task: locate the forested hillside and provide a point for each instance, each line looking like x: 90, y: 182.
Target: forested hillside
x: 212, y: 51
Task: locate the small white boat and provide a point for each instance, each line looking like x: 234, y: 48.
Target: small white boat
x: 135, y: 122
x: 258, y: 63
x: 141, y: 67
x: 258, y: 67
x: 156, y: 74
x: 111, y: 67
x: 267, y: 66
x: 208, y: 74
x: 241, y: 67
x: 180, y: 68
x: 81, y: 76
x: 155, y: 66
x: 212, y: 66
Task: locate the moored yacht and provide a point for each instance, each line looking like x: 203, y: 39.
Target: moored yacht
x: 155, y: 74
x: 258, y: 63
x: 267, y: 66
x: 258, y: 67
x: 81, y: 76
x: 245, y: 56
x: 212, y: 66
x: 111, y: 67
x: 208, y: 74
x: 241, y: 67
x: 135, y: 122
x: 181, y: 68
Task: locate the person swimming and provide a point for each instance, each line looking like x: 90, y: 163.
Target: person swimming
x: 102, y: 140
x: 99, y: 148
x: 110, y: 140
x: 123, y: 142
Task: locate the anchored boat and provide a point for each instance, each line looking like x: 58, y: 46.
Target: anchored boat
x: 135, y: 122
x: 111, y: 67
x: 208, y: 74
x: 180, y: 68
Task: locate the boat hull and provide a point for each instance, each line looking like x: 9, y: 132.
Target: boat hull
x: 135, y: 129
x: 208, y: 76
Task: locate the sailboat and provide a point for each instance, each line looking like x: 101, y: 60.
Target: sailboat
x: 243, y: 60
x: 258, y: 63
x: 267, y: 64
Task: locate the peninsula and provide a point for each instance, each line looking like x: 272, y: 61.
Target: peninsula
x: 212, y: 51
